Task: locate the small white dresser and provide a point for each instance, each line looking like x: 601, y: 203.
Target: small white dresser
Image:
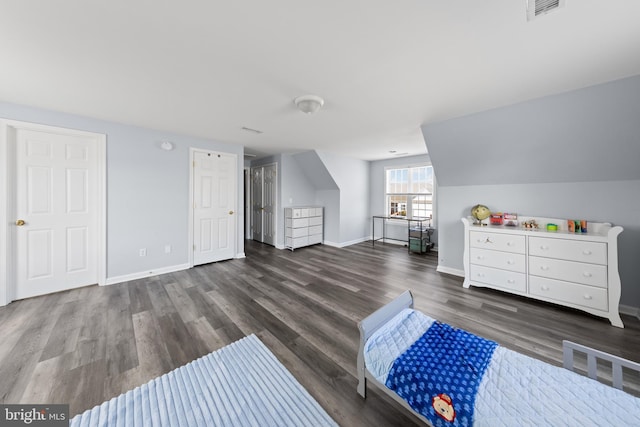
x: 303, y: 226
x: 578, y: 270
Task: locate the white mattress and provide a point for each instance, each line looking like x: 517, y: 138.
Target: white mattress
x: 516, y: 390
x: 242, y: 384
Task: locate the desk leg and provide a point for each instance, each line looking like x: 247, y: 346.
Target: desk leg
x: 373, y: 232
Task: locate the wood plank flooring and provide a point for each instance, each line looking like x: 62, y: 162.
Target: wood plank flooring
x: 85, y: 346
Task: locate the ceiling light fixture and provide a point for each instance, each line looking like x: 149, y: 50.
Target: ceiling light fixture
x: 309, y: 104
x: 166, y: 145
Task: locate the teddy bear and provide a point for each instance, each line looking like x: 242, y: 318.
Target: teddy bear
x: 444, y: 407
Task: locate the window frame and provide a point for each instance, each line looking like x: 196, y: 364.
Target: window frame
x: 386, y: 195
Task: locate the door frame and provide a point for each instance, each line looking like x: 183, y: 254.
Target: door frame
x: 190, y: 242
x: 8, y: 182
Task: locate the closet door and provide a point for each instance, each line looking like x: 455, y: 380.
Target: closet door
x: 264, y: 205
x: 269, y: 189
x: 256, y: 203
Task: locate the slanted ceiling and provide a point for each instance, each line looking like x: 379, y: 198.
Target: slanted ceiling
x: 315, y: 170
x: 590, y: 134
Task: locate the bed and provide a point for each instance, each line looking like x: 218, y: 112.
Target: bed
x: 505, y: 388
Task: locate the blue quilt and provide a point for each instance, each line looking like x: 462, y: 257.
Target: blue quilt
x: 440, y: 373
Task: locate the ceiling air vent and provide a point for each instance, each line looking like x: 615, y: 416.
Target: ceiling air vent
x: 536, y: 8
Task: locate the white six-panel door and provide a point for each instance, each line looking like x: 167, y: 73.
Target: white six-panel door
x: 214, y: 206
x: 56, y: 207
x: 269, y: 188
x: 264, y: 202
x: 256, y: 203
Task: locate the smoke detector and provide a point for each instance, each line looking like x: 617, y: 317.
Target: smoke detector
x: 537, y: 8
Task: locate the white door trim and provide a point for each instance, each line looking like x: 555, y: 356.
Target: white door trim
x: 192, y: 150
x: 7, y: 192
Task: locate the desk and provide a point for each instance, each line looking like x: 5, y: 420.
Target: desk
x: 417, y: 232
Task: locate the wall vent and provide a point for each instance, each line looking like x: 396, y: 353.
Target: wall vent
x: 537, y: 8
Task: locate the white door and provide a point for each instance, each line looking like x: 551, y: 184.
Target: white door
x: 56, y: 206
x: 256, y: 203
x: 269, y: 187
x: 214, y: 206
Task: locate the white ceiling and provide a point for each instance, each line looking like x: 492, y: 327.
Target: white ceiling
x: 208, y: 68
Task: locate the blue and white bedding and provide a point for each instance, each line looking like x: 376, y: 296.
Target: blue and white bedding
x: 515, y: 390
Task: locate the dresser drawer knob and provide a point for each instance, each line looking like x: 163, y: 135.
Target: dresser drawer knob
x: 511, y: 262
x: 544, y: 247
x: 544, y: 267
x: 480, y: 274
x: 544, y: 288
x: 586, y: 252
x: 511, y: 281
x: 509, y: 243
x: 587, y: 274
x: 479, y: 257
x: 587, y: 296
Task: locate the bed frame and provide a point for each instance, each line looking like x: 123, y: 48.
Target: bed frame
x: 377, y: 319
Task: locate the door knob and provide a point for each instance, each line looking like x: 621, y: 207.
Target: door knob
x: 20, y: 222
x: 230, y: 212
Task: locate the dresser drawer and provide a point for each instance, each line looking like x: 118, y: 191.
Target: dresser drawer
x: 315, y: 220
x: 300, y: 212
x: 572, y: 250
x: 297, y: 242
x: 497, y: 259
x: 509, y: 280
x: 497, y: 241
x: 296, y: 232
x: 582, y: 295
x: 571, y: 271
x: 297, y: 222
x: 316, y: 229
x: 315, y: 238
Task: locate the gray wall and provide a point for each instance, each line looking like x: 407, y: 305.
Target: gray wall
x: 573, y: 155
x: 147, y: 189
x: 352, y: 178
x: 587, y: 135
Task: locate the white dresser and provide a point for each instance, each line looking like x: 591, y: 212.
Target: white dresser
x: 303, y: 226
x: 578, y: 270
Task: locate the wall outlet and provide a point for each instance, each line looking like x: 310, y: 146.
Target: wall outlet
x: 167, y: 249
x: 143, y: 252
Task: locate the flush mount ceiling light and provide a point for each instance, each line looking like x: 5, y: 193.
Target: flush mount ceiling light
x: 309, y: 104
x: 166, y: 145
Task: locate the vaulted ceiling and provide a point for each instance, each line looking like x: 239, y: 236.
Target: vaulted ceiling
x: 210, y: 68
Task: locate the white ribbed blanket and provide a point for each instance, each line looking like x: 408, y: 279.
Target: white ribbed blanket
x: 242, y: 384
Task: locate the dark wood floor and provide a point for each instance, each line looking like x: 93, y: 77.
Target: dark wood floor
x: 88, y: 345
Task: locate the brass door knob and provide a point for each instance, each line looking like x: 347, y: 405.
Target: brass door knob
x: 20, y: 222
x: 230, y: 212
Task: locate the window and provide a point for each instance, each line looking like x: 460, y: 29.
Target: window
x: 409, y: 192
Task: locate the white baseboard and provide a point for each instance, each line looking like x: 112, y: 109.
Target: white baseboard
x: 631, y: 311
x: 143, y: 274
x: 449, y: 270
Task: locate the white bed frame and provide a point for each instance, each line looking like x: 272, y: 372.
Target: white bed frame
x: 377, y: 319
